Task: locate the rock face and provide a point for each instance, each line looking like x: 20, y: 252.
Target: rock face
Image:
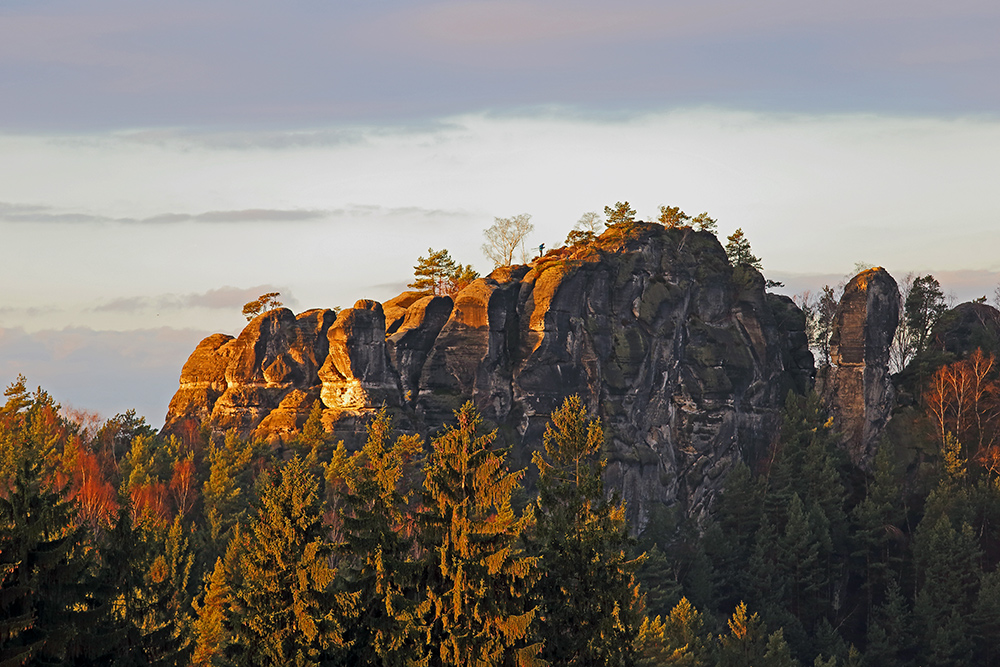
x: 686, y: 360
x: 856, y: 387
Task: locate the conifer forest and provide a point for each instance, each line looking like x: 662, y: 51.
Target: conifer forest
x: 120, y: 545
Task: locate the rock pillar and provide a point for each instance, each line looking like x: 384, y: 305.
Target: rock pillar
x: 856, y: 387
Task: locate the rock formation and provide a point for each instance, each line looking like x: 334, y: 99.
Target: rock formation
x: 686, y: 360
x: 856, y: 387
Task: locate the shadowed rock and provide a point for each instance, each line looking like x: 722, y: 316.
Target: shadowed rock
x: 686, y: 360
x: 856, y: 387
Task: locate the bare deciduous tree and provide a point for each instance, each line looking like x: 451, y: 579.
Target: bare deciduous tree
x: 590, y: 222
x: 506, y: 236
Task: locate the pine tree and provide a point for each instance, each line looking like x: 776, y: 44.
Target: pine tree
x: 476, y: 605
x: 439, y: 274
x: 290, y: 614
x: 738, y: 251
x: 672, y: 217
x: 619, y: 214
x: 588, y: 604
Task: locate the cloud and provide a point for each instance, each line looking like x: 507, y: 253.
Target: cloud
x: 142, y: 65
x: 247, y: 215
x: 222, y: 298
x: 33, y: 213
x: 193, y: 139
x: 104, y: 371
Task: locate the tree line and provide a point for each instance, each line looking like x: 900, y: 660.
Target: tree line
x: 439, y: 274
x: 119, y: 546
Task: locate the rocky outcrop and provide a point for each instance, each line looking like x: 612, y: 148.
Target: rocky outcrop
x: 686, y: 360
x: 856, y: 387
x: 966, y: 327
x: 267, y: 377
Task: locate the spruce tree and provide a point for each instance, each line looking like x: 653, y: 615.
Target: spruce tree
x: 290, y: 611
x: 47, y: 595
x: 588, y: 600
x: 211, y: 628
x: 947, y: 564
x: 476, y: 606
x: 376, y: 488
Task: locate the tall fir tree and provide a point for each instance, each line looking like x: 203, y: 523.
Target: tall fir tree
x: 589, y: 606
x: 376, y: 487
x: 291, y: 614
x: 476, y: 606
x: 47, y: 595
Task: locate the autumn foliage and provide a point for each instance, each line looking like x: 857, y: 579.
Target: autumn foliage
x: 963, y: 398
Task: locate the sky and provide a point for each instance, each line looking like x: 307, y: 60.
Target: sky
x: 161, y: 164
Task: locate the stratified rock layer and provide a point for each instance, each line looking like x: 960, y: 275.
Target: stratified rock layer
x: 686, y: 360
x: 857, y: 388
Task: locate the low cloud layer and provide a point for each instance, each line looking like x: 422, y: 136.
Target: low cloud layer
x: 224, y: 298
x: 34, y: 213
x: 100, y: 371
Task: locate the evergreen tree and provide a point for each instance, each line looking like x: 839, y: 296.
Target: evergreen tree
x: 290, y: 614
x: 476, y: 605
x: 923, y: 307
x: 877, y: 522
x: 947, y: 564
x: 672, y: 217
x: 748, y: 645
x: 211, y: 628
x: 619, y: 214
x: 730, y: 536
x: 738, y: 251
x: 890, y: 636
x: 378, y: 543
x: 439, y: 274
x: 588, y: 606
x: 704, y: 223
x: 229, y: 478
x: 47, y: 596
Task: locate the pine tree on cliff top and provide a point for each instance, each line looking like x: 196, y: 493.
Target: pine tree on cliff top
x: 476, y: 606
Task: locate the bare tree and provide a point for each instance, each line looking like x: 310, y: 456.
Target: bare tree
x: 820, y: 312
x: 590, y: 222
x: 586, y: 229
x: 903, y: 341
x: 506, y: 236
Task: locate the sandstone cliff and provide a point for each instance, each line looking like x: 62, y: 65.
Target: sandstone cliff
x: 857, y: 387
x: 685, y: 358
